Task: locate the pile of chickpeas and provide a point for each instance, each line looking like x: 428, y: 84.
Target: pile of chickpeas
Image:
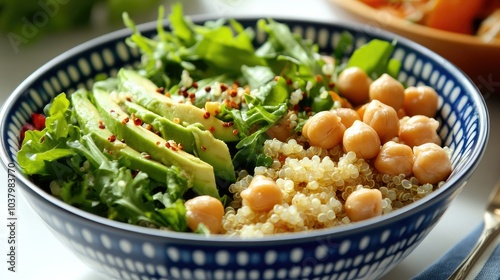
x: 346, y: 165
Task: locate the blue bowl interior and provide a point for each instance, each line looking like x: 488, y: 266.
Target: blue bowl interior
x: 464, y: 129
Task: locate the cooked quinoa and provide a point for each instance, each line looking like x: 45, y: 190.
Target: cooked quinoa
x: 315, y: 184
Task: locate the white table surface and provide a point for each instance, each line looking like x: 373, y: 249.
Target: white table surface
x: 41, y: 256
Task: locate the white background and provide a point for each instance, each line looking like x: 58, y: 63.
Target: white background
x: 41, y: 256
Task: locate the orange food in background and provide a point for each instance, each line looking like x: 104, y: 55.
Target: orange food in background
x: 460, y: 16
x: 453, y: 15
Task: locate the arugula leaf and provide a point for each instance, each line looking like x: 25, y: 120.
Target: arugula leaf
x: 48, y: 144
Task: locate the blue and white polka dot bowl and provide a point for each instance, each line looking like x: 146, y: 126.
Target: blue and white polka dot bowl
x: 363, y: 250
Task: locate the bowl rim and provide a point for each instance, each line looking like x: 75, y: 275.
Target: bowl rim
x: 339, y: 231
x: 382, y: 19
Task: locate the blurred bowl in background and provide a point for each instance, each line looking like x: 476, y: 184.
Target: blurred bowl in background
x: 478, y: 59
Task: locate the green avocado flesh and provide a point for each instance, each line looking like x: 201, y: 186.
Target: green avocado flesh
x: 152, y: 143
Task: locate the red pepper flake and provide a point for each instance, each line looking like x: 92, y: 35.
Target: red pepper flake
x: 223, y: 87
x: 206, y: 115
x: 112, y: 138
x: 42, y: 139
x: 148, y: 127
x: 180, y: 146
x: 157, y: 143
x: 211, y: 129
x: 167, y: 94
x: 208, y: 88
x: 203, y: 148
x: 227, y: 124
x: 195, y: 85
x: 216, y: 112
x: 145, y: 155
x: 289, y: 81
x: 122, y: 140
x: 192, y: 95
x: 125, y: 120
x: 331, y: 84
x: 128, y: 99
x: 233, y: 93
x: 235, y: 132
x: 112, y: 111
x: 137, y: 121
x: 101, y: 125
x: 160, y: 90
x: 319, y: 78
x: 167, y: 144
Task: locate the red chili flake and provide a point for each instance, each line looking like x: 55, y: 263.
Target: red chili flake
x: 233, y: 93
x: 128, y: 99
x: 167, y: 94
x: 331, y: 84
x: 227, y: 124
x: 146, y: 155
x: 137, y: 121
x: 112, y: 138
x: 203, y: 148
x: 216, y: 112
x: 148, y: 127
x: 167, y: 144
x: 122, y: 140
x: 160, y: 90
x: 319, y: 78
x: 125, y: 120
x: 206, y: 115
x: 236, y: 84
x: 112, y: 111
x: 157, y: 143
x: 211, y: 129
x: 235, y: 132
x: 289, y: 81
x: 180, y: 146
x: 208, y: 88
x: 101, y: 125
x: 192, y: 95
x: 42, y: 139
x: 223, y: 87
x: 195, y: 85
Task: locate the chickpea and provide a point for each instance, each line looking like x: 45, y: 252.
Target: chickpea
x: 432, y: 164
x: 347, y: 116
x: 354, y: 84
x: 388, y: 90
x: 262, y: 194
x: 383, y: 118
x: 206, y: 210
x: 361, y: 139
x: 324, y: 129
x: 363, y: 204
x: 418, y: 130
x: 421, y: 100
x: 394, y: 159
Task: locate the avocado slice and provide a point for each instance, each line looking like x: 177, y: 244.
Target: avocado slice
x: 145, y: 141
x: 144, y: 92
x: 199, y: 142
x: 89, y: 119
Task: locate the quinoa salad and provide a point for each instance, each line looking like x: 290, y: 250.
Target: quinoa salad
x: 210, y: 134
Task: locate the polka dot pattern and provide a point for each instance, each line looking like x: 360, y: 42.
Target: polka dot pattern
x: 343, y: 255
